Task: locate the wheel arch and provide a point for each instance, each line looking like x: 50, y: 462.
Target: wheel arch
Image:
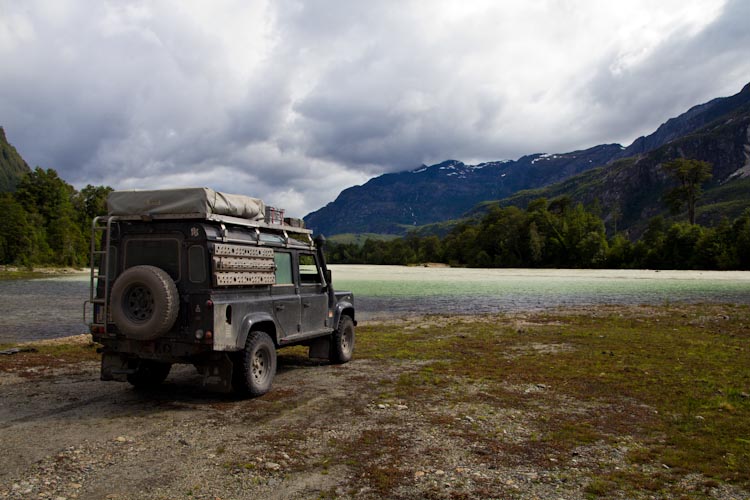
x: 257, y: 321
x: 343, y: 309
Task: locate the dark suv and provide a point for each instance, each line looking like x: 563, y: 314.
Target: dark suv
x: 214, y: 280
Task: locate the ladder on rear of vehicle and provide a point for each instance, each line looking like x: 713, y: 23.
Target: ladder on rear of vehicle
x: 100, y: 268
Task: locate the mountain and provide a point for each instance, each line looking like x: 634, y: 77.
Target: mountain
x: 12, y: 166
x: 630, y: 190
x: 625, y: 180
x: 393, y: 203
x: 694, y: 119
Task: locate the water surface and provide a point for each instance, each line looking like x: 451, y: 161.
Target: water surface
x: 52, y: 307
x: 382, y: 291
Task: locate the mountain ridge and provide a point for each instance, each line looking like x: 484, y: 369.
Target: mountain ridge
x: 12, y: 166
x: 393, y: 203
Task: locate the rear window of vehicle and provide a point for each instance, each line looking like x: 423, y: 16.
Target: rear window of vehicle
x: 161, y: 253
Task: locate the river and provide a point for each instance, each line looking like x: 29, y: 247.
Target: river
x: 52, y: 307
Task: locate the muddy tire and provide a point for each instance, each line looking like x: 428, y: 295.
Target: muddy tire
x: 144, y: 302
x: 342, y: 341
x: 256, y: 367
x: 148, y: 374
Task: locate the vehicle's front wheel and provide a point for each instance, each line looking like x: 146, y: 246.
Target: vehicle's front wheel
x: 342, y: 341
x: 257, y: 365
x: 148, y: 373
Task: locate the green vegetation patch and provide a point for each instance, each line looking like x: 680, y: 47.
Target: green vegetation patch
x: 36, y: 360
x: 360, y: 238
x: 672, y: 382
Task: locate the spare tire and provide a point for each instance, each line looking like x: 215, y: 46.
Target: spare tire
x: 144, y: 302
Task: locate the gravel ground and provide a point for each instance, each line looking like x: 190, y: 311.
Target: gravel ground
x: 322, y: 432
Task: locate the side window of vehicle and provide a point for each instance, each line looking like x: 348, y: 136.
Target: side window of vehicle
x: 283, y: 261
x: 308, y: 270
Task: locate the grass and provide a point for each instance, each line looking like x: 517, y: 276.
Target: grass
x: 41, y: 356
x: 674, y: 378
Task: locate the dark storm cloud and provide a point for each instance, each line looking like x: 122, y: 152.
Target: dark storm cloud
x: 684, y: 71
x: 295, y: 101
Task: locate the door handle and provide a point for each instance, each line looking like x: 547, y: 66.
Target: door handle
x: 280, y: 307
x: 306, y: 304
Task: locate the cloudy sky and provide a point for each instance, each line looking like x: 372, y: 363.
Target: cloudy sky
x: 293, y: 101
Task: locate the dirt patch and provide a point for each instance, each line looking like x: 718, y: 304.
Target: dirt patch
x: 377, y: 427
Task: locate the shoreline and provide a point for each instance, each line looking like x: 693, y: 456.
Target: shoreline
x: 8, y: 272
x: 599, y: 312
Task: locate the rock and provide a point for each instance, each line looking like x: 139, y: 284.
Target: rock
x: 272, y: 466
x: 401, y: 407
x: 418, y: 474
x: 121, y: 439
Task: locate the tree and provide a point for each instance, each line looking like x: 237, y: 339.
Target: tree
x: 47, y: 199
x: 690, y: 174
x: 91, y: 202
x: 15, y: 232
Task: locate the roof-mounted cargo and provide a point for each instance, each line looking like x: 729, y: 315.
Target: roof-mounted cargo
x: 198, y: 203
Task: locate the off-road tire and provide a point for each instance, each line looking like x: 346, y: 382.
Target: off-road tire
x: 255, y: 368
x: 342, y: 341
x: 148, y: 374
x: 144, y: 302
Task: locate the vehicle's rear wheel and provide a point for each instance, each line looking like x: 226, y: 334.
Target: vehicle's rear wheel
x: 148, y: 373
x: 144, y: 302
x: 342, y: 341
x: 256, y: 368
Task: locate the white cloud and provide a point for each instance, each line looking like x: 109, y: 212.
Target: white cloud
x: 294, y: 101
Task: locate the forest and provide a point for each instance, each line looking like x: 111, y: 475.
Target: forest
x: 47, y: 222
x: 561, y: 234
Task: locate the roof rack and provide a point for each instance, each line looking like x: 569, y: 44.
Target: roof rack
x: 226, y: 219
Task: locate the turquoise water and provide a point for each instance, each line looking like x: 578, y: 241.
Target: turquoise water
x: 52, y: 307
x: 381, y: 291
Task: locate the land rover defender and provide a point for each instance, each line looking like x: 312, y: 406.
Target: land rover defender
x: 211, y: 279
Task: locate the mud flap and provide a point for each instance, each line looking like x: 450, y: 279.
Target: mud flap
x: 320, y: 348
x: 217, y: 373
x: 115, y: 367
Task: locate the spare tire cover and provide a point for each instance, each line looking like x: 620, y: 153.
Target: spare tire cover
x: 144, y: 302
